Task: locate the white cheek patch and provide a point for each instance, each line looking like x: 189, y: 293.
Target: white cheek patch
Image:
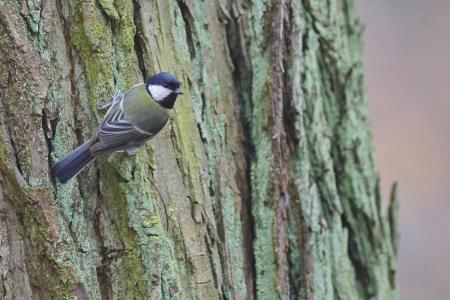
x: 158, y: 92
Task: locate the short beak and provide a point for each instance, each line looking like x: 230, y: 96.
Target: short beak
x: 179, y: 91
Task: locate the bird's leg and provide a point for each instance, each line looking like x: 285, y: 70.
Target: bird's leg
x: 132, y: 151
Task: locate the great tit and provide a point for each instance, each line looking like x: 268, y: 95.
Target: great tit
x: 133, y: 117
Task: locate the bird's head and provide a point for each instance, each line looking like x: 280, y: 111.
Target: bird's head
x: 164, y: 89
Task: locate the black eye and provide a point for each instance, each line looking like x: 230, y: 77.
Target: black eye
x: 165, y: 85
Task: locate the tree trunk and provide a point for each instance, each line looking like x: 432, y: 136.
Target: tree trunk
x: 262, y: 185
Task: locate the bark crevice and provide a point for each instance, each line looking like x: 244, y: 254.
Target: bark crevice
x: 237, y: 42
x: 139, y: 42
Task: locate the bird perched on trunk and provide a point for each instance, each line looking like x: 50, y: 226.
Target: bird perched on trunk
x: 133, y: 117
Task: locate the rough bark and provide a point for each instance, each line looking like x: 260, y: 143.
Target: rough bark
x: 262, y: 186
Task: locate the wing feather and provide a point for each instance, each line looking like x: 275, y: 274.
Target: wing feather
x: 115, y: 132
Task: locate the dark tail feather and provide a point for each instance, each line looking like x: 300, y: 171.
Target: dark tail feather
x: 72, y: 163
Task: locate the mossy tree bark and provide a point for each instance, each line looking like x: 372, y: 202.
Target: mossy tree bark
x: 262, y: 186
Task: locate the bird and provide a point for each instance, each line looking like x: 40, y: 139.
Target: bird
x: 132, y: 118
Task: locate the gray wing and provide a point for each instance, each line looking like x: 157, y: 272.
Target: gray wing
x: 115, y: 132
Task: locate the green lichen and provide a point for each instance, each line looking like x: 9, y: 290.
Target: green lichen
x: 109, y: 9
x: 90, y: 36
x: 151, y: 221
x: 35, y: 227
x: 155, y: 250
x: 129, y: 274
x: 263, y: 207
x: 264, y: 215
x: 233, y: 233
x: 124, y: 31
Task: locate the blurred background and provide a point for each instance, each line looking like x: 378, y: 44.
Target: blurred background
x: 407, y: 69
